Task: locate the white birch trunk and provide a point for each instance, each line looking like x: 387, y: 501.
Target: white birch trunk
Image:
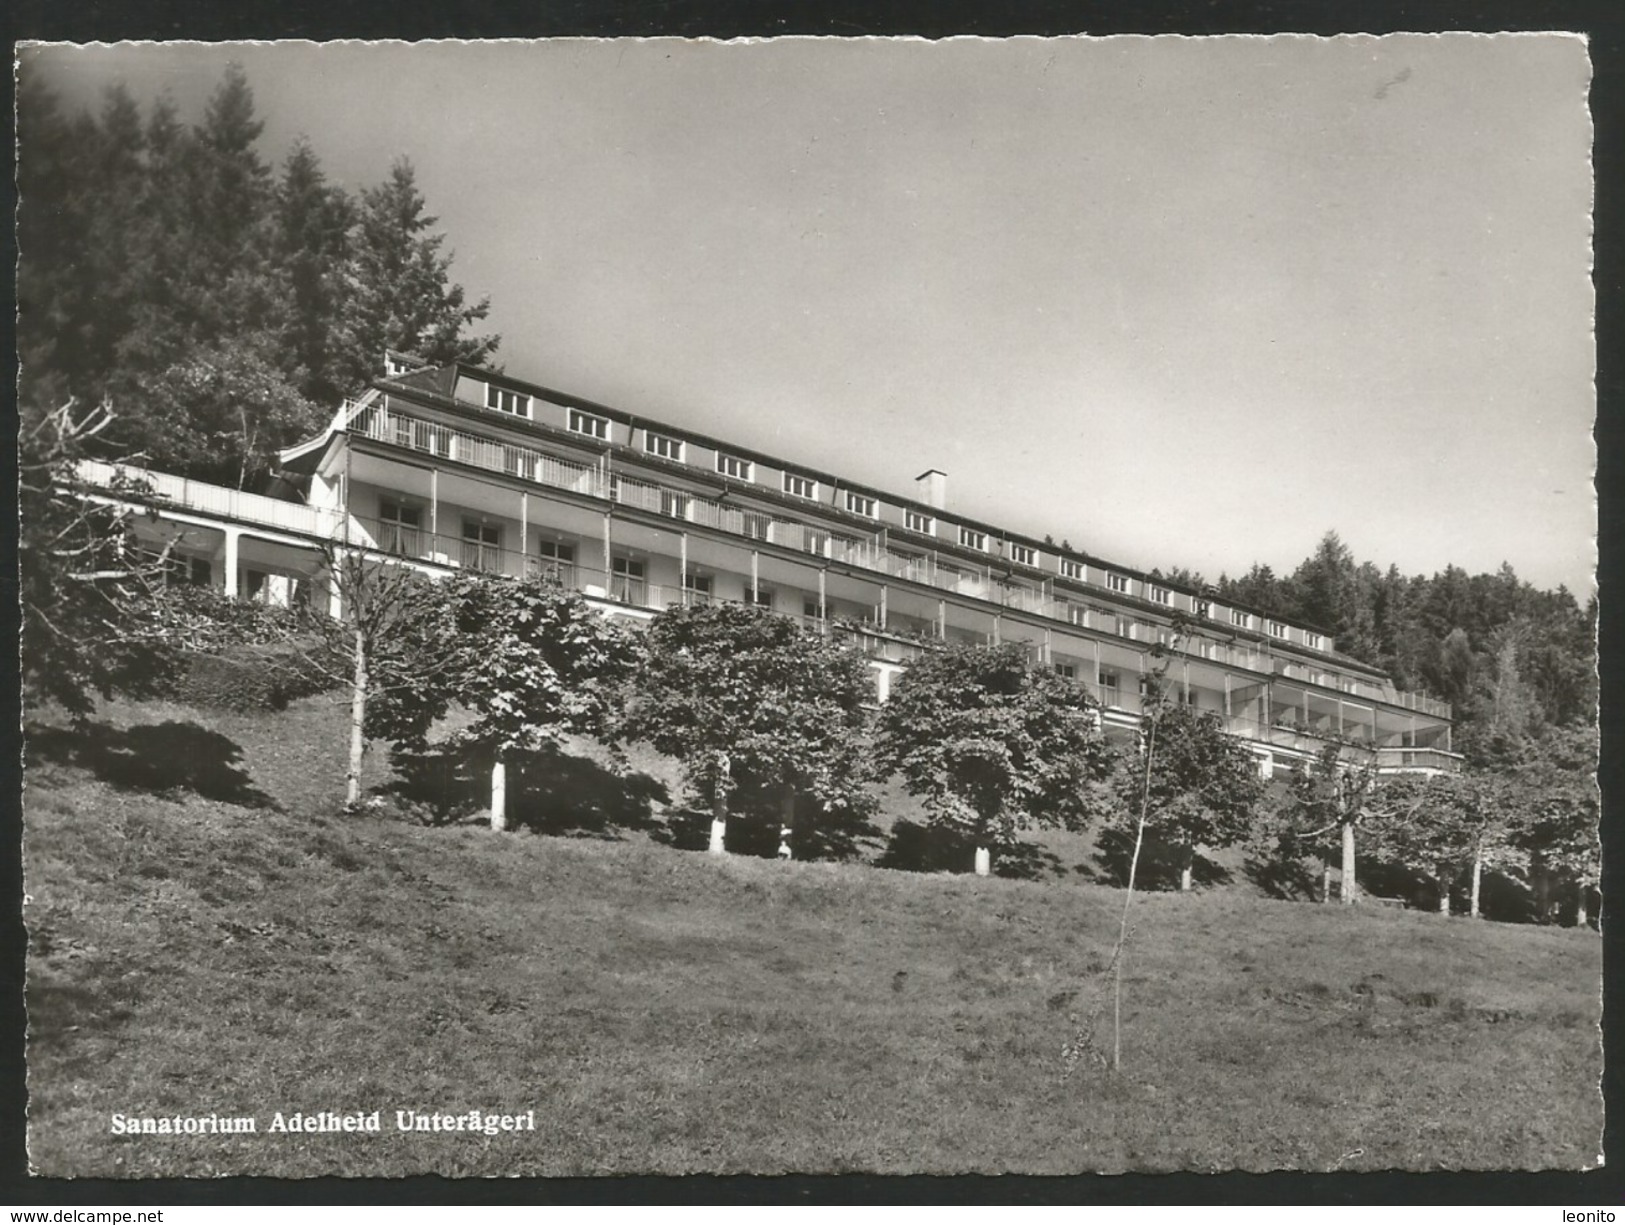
x: 984, y: 861
x: 1444, y: 899
x: 1188, y: 860
x: 1325, y: 880
x: 1478, y: 877
x: 358, y: 722
x: 1581, y: 918
x: 499, y: 795
x: 1345, y: 890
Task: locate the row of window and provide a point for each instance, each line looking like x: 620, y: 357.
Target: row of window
x: 667, y: 447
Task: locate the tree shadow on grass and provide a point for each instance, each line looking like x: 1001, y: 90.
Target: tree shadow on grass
x: 817, y: 834
x: 914, y: 847
x: 1287, y: 880
x: 1158, y: 868
x: 158, y: 757
x: 548, y: 792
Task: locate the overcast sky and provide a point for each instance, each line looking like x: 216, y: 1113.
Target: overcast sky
x: 1181, y: 302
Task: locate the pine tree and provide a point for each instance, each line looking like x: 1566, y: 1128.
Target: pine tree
x: 312, y: 244
x: 400, y: 294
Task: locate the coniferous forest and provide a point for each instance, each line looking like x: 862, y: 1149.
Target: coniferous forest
x: 221, y: 305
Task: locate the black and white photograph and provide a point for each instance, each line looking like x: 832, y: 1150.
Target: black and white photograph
x: 809, y: 605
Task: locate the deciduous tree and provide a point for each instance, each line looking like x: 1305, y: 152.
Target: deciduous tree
x: 740, y: 696
x: 991, y: 745
x: 527, y: 661
x: 1202, y: 784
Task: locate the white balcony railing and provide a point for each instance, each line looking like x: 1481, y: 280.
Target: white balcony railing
x: 214, y: 500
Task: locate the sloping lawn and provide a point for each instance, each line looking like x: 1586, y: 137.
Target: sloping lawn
x: 229, y: 944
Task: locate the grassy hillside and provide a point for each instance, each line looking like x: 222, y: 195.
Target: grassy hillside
x: 230, y: 944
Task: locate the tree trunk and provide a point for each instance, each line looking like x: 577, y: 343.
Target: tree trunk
x: 1478, y: 877
x: 787, y: 820
x: 984, y: 861
x: 1187, y: 858
x: 719, y: 822
x: 1325, y: 879
x: 499, y: 795
x: 1346, y: 892
x: 1543, y: 886
x: 1581, y: 918
x: 358, y: 722
x: 1444, y: 897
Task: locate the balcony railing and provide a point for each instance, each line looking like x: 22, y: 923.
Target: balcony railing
x: 378, y: 420
x: 213, y: 500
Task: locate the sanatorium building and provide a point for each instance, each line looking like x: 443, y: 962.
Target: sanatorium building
x: 455, y: 467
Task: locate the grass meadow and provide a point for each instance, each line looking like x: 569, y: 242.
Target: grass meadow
x: 220, y: 939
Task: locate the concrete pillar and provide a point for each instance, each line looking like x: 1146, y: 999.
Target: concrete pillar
x: 230, y: 563
x: 609, y: 569
x: 942, y: 619
x: 883, y: 599
x: 524, y: 529
x: 882, y: 684
x: 755, y: 576
x: 434, y: 508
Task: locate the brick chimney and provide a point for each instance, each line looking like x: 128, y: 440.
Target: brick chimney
x: 933, y: 487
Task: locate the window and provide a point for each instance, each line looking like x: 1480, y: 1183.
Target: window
x: 1077, y: 614
x: 1202, y: 608
x: 482, y: 546
x: 398, y: 528
x: 1161, y: 595
x: 972, y: 539
x: 815, y: 542
x: 505, y: 401
x: 731, y: 465
x: 797, y: 486
x: 697, y: 588
x: 861, y: 504
x: 1072, y: 569
x: 659, y: 444
x: 555, y: 560
x: 1023, y: 556
x: 915, y: 521
x: 756, y: 526
x: 1277, y: 629
x: 810, y: 609
x: 626, y: 580
x: 762, y: 597
x: 1068, y: 671
x: 1313, y: 641
x: 674, y: 505
x: 1237, y: 617
x: 586, y: 423
x: 1110, y: 684
x: 1117, y: 582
